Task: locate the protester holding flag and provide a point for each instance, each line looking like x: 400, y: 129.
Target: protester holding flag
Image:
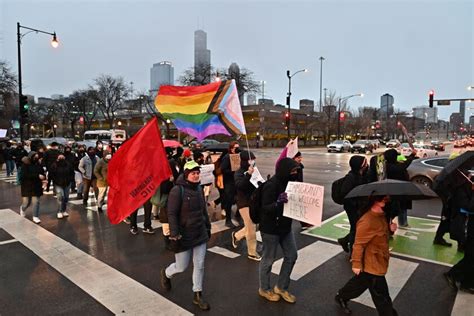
x: 244, y: 190
x: 190, y: 230
x: 276, y: 231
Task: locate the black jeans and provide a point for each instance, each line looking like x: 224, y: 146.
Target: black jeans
x: 133, y: 217
x: 228, y: 200
x: 378, y: 288
x: 463, y: 271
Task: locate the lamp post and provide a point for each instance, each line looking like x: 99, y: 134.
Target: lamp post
x: 54, y: 43
x: 339, y: 111
x: 288, y: 98
x: 321, y: 84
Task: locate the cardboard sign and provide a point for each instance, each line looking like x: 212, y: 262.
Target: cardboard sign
x: 256, y: 177
x: 305, y: 202
x: 206, y: 175
x: 234, y: 162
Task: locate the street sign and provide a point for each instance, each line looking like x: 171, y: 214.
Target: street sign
x: 444, y: 102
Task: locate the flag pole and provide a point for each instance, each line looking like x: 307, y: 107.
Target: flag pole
x: 247, y: 141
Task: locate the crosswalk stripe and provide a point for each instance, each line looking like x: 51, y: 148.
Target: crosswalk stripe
x: 399, y: 271
x: 309, y: 258
x: 7, y: 241
x: 224, y: 252
x: 111, y: 288
x: 463, y: 305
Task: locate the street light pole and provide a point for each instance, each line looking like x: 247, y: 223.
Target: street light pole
x: 54, y: 43
x: 288, y: 99
x: 321, y: 85
x: 339, y: 111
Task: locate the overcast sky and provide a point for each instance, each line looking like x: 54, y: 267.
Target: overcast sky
x: 404, y: 48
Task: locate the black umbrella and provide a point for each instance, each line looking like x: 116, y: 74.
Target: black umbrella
x: 464, y: 161
x: 394, y: 188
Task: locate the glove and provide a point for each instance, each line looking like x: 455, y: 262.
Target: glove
x: 282, y: 198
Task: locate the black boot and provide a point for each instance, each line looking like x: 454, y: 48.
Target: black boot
x: 167, y: 242
x: 197, y: 300
x: 344, y: 242
x: 165, y: 281
x: 343, y: 304
x: 441, y: 241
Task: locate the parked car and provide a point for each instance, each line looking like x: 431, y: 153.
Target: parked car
x: 339, y: 145
x: 376, y: 143
x: 362, y: 146
x: 437, y: 145
x: 424, y: 171
x: 422, y: 151
x: 393, y: 143
x: 460, y: 143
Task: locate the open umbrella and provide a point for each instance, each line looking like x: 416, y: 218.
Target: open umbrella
x: 464, y: 161
x: 395, y: 188
x: 171, y: 143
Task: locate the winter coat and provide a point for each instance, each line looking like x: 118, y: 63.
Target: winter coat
x: 86, y: 166
x: 187, y: 214
x: 31, y: 184
x: 18, y: 154
x: 398, y: 171
x: 62, y: 173
x: 100, y: 172
x: 8, y: 153
x: 227, y: 171
x: 353, y: 179
x: 50, y: 156
x: 300, y: 173
x: 244, y: 187
x: 272, y: 220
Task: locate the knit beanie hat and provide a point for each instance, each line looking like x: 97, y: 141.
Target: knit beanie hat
x: 189, y: 167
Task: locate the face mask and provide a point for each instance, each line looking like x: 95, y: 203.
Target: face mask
x: 237, y: 150
x: 91, y: 154
x: 293, y: 176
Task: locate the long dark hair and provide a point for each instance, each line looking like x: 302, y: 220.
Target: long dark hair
x: 371, y: 200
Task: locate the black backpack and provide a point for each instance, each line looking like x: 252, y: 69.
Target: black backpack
x: 255, y: 204
x: 336, y: 191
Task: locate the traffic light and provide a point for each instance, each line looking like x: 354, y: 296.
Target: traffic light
x: 287, y: 119
x: 342, y: 116
x: 24, y: 106
x: 431, y: 97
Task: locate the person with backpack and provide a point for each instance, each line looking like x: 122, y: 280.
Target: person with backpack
x: 356, y: 176
x: 31, y: 178
x: 190, y: 230
x: 244, y: 191
x: 276, y: 231
x: 370, y: 258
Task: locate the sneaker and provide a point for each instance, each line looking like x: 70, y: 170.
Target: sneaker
x: 134, y: 231
x: 269, y: 295
x: 60, y: 215
x: 223, y: 213
x: 127, y: 220
x: 36, y: 220
x: 165, y: 281
x: 22, y: 213
x: 257, y: 257
x: 287, y: 296
x: 234, y: 240
x: 148, y: 230
x: 65, y: 214
x: 343, y: 304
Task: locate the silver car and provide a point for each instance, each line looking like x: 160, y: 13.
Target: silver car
x: 339, y: 146
x: 424, y: 171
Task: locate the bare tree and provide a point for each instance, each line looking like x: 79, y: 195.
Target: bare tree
x: 244, y: 81
x: 82, y: 103
x: 112, y: 92
x: 197, y: 76
x: 8, y: 85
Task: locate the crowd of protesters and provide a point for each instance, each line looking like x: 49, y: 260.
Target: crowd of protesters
x: 181, y: 204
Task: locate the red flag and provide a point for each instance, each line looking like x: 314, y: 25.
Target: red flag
x: 136, y: 171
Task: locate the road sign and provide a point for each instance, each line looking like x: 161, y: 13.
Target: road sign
x: 444, y: 102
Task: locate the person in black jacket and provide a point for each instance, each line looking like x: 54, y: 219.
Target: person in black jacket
x: 61, y: 173
x: 190, y: 230
x: 17, y: 154
x: 244, y: 190
x: 31, y: 178
x: 355, y: 177
x: 229, y: 183
x: 72, y: 160
x: 50, y: 156
x: 276, y: 230
x: 9, y: 160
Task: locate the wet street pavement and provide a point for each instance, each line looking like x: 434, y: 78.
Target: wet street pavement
x: 85, y: 265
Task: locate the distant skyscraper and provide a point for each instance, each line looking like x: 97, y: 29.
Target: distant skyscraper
x: 386, y: 104
x: 234, y: 73
x: 202, y: 57
x: 161, y: 73
x: 430, y: 115
x: 462, y: 110
x: 251, y: 99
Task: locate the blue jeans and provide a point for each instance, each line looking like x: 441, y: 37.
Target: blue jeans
x: 402, y: 217
x: 10, y: 167
x: 290, y: 254
x: 62, y: 195
x: 28, y: 200
x: 182, y: 261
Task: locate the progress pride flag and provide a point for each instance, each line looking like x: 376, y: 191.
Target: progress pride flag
x: 136, y: 171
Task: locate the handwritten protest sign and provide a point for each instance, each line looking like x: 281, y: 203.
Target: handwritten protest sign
x: 206, y: 174
x: 234, y: 162
x: 256, y: 177
x: 305, y: 202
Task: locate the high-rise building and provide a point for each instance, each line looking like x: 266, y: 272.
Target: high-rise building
x: 430, y: 115
x: 161, y: 73
x: 462, y: 110
x: 202, y: 57
x: 455, y: 121
x: 386, y: 104
x: 234, y: 73
x: 307, y: 105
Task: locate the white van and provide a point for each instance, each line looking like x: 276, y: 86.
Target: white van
x: 113, y: 136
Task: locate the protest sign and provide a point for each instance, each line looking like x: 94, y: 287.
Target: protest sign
x: 305, y: 202
x: 234, y: 162
x: 256, y: 177
x: 207, y: 176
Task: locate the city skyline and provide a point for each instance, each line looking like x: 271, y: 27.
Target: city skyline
x: 405, y: 53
